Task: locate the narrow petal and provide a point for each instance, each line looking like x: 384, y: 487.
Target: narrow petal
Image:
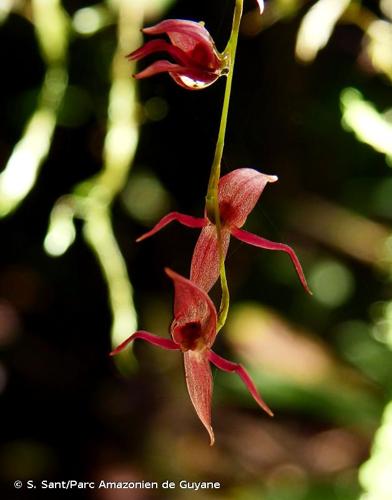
x: 199, y: 383
x: 206, y: 259
x: 229, y: 366
x: 185, y: 220
x: 193, y: 32
x: 187, y: 77
x: 161, y: 67
x: 192, y: 305
x: 148, y: 337
x: 159, y: 45
x: 238, y: 194
x: 258, y: 241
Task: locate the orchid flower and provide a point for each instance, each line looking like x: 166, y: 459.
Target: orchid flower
x: 238, y: 193
x: 197, y: 63
x: 193, y: 332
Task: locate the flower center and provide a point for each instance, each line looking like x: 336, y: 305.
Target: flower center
x: 189, y: 335
x: 204, y: 59
x: 225, y: 212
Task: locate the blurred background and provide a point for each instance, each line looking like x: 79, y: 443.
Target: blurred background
x: 90, y: 159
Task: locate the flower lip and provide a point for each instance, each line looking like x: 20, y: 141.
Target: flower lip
x: 189, y: 336
x: 195, y: 317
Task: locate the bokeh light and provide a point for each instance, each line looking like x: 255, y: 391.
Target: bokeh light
x: 331, y: 282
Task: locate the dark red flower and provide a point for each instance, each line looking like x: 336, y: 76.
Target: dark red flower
x: 239, y: 192
x: 197, y: 63
x: 193, y: 331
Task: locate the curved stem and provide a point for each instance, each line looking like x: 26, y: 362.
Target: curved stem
x: 225, y: 300
x: 212, y: 199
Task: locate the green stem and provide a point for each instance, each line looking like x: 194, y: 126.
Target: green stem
x: 229, y: 55
x: 212, y: 201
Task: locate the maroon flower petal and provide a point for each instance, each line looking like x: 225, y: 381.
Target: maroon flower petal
x: 161, y: 67
x: 229, y: 366
x: 185, y: 220
x: 148, y: 337
x: 193, y: 39
x: 205, y: 263
x: 258, y: 241
x: 197, y: 63
x: 183, y: 33
x: 199, y: 382
x: 238, y: 194
x: 154, y: 46
x: 192, y: 306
